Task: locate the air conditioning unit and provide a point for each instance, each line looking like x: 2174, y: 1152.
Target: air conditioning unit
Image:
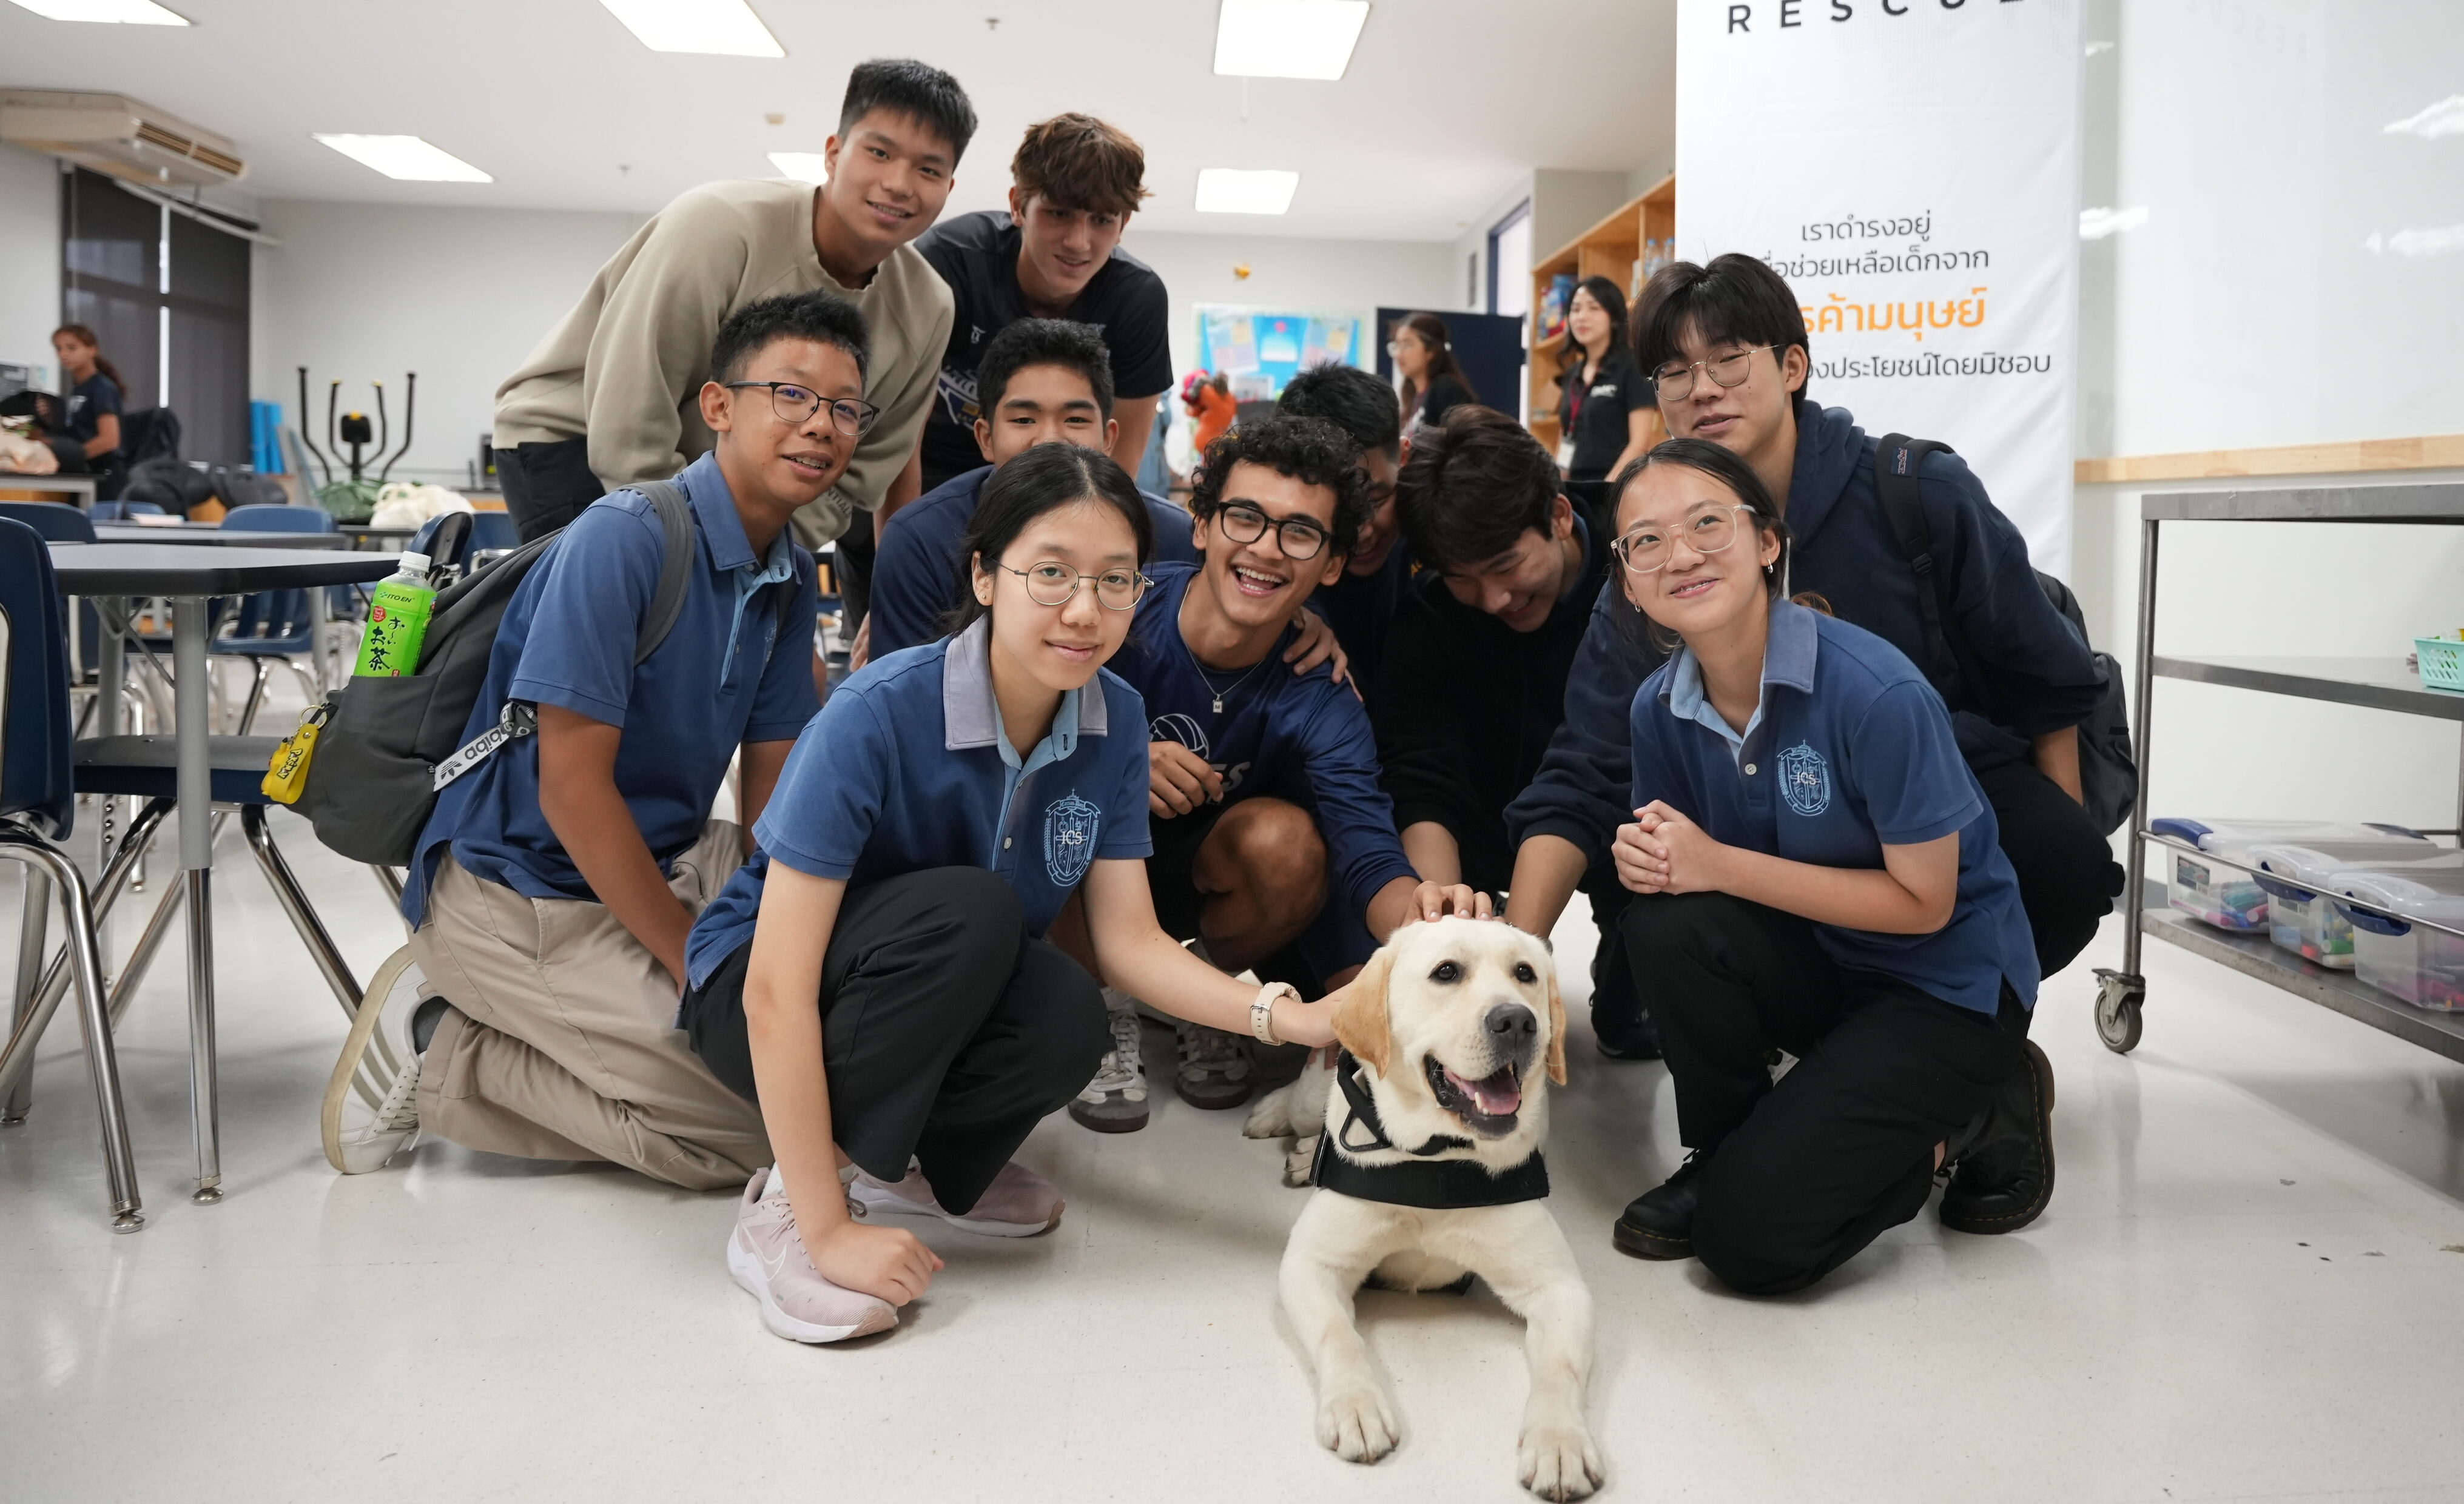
x: 114, y: 134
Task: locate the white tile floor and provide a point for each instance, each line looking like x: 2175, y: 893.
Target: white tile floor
x: 2251, y: 1285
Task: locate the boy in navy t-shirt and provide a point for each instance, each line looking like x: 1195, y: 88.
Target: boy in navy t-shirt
x: 1275, y: 847
x: 556, y: 881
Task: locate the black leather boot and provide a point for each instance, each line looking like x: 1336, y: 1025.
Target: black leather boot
x: 1660, y: 1223
x: 2004, y: 1181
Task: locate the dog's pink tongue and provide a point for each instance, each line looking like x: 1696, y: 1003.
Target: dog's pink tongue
x: 1496, y: 1095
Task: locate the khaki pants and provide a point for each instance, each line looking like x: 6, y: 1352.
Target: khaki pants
x: 561, y: 1042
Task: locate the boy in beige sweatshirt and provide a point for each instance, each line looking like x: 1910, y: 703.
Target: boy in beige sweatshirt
x: 611, y: 396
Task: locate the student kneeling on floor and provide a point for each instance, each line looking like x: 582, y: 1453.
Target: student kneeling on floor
x: 556, y: 881
x: 1820, y: 875
x: 877, y: 975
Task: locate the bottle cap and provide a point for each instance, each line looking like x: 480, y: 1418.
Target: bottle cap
x: 414, y: 562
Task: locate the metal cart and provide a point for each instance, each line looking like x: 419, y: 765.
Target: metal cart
x: 2381, y: 684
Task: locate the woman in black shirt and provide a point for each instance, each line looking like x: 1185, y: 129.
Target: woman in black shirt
x: 95, y: 390
x: 1433, y: 381
x: 1605, y: 411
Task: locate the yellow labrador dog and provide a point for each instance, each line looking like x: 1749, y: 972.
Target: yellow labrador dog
x: 1429, y: 1172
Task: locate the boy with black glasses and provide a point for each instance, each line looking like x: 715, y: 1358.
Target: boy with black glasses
x: 1275, y: 847
x: 612, y: 395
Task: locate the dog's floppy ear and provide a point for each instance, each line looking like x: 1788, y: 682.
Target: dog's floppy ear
x: 1361, y: 1023
x: 1557, y: 1029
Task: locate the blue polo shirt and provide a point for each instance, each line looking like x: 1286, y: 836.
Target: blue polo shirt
x: 1301, y: 737
x: 915, y: 575
x: 908, y: 768
x: 736, y: 668
x: 1849, y: 751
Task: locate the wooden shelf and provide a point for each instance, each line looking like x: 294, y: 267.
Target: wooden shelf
x: 2428, y: 452
x: 1612, y: 248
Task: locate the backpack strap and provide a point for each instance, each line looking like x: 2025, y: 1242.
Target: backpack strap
x: 675, y: 566
x: 1897, y: 462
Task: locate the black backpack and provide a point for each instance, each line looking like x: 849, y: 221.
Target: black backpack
x: 390, y: 745
x: 2108, y: 773
x: 171, y: 483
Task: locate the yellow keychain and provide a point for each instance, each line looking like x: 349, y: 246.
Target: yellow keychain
x: 288, y: 772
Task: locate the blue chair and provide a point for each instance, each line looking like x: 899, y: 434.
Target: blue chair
x: 444, y: 539
x: 37, y: 807
x: 275, y: 625
x: 122, y: 511
x: 493, y: 530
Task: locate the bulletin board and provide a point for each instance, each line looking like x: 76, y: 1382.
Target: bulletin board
x: 1262, y: 349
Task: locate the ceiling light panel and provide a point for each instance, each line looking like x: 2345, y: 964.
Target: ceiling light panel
x: 1240, y: 190
x: 1287, y: 39
x: 804, y: 167
x: 407, y: 157
x: 122, y: 13
x: 728, y: 28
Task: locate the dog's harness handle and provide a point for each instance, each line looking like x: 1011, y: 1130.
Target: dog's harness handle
x: 1436, y: 1185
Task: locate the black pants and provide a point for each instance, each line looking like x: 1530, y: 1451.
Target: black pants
x: 947, y: 1032
x: 2068, y: 878
x: 856, y: 548
x: 1811, y: 1170
x: 547, y: 484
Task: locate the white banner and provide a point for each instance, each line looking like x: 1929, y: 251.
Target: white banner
x: 1911, y: 168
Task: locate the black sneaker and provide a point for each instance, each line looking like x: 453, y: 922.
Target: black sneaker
x: 1660, y: 1223
x: 1636, y: 1039
x: 2004, y: 1182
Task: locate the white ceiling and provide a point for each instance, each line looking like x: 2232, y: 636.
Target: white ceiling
x: 1446, y: 102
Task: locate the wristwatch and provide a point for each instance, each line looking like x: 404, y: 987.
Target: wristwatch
x: 1261, y: 1010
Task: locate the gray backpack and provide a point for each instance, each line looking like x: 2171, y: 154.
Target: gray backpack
x: 389, y: 745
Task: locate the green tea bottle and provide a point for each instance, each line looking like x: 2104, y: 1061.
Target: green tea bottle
x: 397, y: 620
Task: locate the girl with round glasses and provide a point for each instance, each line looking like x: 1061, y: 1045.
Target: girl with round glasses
x: 877, y: 978
x: 1819, y: 874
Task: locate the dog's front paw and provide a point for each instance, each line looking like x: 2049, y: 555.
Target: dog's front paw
x: 1299, y: 1161
x: 1558, y: 1461
x: 1355, y: 1425
x: 1270, y: 1117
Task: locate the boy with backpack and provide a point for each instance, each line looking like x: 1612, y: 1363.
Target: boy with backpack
x: 553, y: 884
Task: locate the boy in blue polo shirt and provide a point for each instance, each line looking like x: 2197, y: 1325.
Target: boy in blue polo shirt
x: 1041, y: 380
x: 1275, y: 846
x: 1821, y: 876
x: 555, y: 883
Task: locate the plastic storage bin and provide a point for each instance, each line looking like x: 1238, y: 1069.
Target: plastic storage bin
x: 2228, y: 897
x: 2304, y: 921
x: 2421, y: 966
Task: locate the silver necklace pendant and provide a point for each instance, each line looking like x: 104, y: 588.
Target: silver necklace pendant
x: 1218, y: 705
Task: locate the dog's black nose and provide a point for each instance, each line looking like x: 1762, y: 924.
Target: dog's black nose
x: 1511, y: 1024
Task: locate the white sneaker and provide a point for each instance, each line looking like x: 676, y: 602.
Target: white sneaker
x: 1116, y: 1100
x: 768, y: 1259
x: 1019, y: 1203
x: 371, y: 1109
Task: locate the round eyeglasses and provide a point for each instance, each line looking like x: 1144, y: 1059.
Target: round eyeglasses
x: 795, y: 404
x: 1049, y: 583
x: 1301, y: 538
x: 1675, y: 383
x: 1646, y: 547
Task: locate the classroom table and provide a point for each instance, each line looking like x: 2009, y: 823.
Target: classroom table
x: 188, y: 577
x: 208, y: 535
x: 78, y: 489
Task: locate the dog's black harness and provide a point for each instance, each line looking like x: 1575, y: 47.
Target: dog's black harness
x: 1437, y: 1185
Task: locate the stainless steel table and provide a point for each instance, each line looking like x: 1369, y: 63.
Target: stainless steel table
x: 188, y: 577
x: 78, y: 488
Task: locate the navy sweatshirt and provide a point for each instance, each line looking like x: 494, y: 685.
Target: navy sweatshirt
x: 2043, y: 676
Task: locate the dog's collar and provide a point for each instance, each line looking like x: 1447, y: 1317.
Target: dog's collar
x: 1437, y: 1184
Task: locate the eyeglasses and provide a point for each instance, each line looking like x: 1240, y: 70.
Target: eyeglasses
x: 1675, y: 383
x: 1645, y: 548
x: 794, y: 404
x: 1049, y: 583
x: 1300, y: 538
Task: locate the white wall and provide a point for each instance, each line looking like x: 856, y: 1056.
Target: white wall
x: 2250, y: 309
x: 30, y: 260
x: 460, y: 295
x: 1348, y: 276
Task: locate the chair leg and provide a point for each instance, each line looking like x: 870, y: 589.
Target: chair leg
x: 205, y: 1086
x: 18, y: 1055
x: 33, y: 941
x: 308, y: 685
x: 85, y: 962
x: 294, y: 903
x: 255, y: 698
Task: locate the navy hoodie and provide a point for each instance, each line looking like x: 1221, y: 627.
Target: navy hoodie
x: 2043, y: 676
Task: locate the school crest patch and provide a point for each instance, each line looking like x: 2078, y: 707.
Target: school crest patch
x: 1069, y: 827
x: 1805, y: 779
